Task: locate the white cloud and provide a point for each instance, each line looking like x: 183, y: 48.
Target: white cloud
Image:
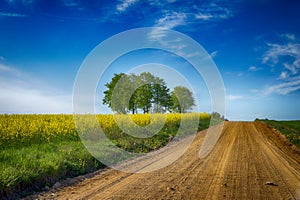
x: 213, y: 54
x: 125, y: 4
x: 286, y: 56
x: 22, y: 1
x: 4, y: 68
x: 10, y: 70
x: 171, y: 20
x: 292, y: 67
x: 276, y: 51
x: 212, y: 11
x: 19, y: 94
x: 283, y: 75
x: 289, y: 86
x: 157, y: 34
x: 18, y: 99
x: 252, y: 69
x: 204, y: 17
x: 289, y: 36
x: 234, y: 97
x: 190, y: 55
x: 71, y: 4
x: 210, y: 16
x: 240, y: 74
x: 199, y: 13
x: 9, y: 14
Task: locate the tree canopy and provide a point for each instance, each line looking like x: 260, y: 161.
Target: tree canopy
x: 146, y: 93
x: 182, y: 99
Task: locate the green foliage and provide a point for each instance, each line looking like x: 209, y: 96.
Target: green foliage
x: 291, y: 129
x: 109, y: 93
x: 38, y: 150
x: 161, y: 97
x: 216, y: 118
x: 145, y: 92
x: 181, y: 99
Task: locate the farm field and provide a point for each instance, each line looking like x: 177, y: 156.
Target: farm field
x: 249, y: 161
x: 39, y: 150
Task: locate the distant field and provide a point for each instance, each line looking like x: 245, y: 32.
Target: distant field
x: 38, y: 150
x: 291, y: 129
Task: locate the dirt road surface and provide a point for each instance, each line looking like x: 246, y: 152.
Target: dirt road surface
x: 249, y: 161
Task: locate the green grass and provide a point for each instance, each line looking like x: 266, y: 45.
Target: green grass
x: 39, y: 150
x: 291, y: 129
x: 32, y: 167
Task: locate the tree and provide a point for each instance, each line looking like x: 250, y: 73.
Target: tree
x: 117, y: 95
x: 161, y: 97
x: 145, y: 92
x: 151, y: 93
x: 181, y: 99
x: 110, y: 87
x: 133, y: 102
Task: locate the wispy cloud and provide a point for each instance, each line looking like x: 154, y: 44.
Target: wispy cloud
x: 254, y: 68
x: 70, y: 3
x: 240, y: 74
x: 284, y: 88
x: 289, y: 36
x: 287, y: 57
x: 283, y: 75
x: 20, y: 94
x: 10, y: 14
x: 276, y: 51
x: 182, y: 15
x: 197, y: 14
x: 171, y: 20
x: 5, y: 70
x: 124, y: 4
x: 23, y: 2
x: 204, y: 17
x: 234, y: 97
x: 213, y: 11
x: 213, y: 54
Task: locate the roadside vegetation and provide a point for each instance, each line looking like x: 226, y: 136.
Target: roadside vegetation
x: 36, y: 151
x: 291, y: 129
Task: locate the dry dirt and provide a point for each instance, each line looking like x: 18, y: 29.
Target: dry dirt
x: 249, y: 161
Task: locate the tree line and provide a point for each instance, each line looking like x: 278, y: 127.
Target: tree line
x: 145, y: 93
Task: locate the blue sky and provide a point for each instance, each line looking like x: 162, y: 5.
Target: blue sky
x: 255, y: 45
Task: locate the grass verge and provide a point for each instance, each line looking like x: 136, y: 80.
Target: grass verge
x: 32, y: 168
x: 290, y: 129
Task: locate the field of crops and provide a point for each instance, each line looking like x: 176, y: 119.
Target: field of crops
x: 38, y: 150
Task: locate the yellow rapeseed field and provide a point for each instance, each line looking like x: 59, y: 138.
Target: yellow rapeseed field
x: 34, y: 128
